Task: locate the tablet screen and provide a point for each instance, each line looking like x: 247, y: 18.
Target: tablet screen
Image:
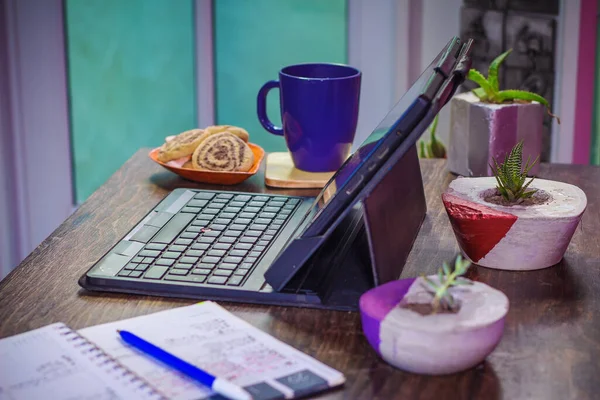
x: 347, y: 170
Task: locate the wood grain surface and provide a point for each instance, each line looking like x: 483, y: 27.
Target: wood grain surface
x: 280, y: 172
x: 551, y: 345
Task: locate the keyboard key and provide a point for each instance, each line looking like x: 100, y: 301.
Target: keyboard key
x: 205, y: 217
x: 222, y: 246
x: 200, y: 223
x: 142, y: 267
x: 289, y: 207
x: 155, y: 246
x: 200, y: 246
x: 204, y: 265
x: 228, y: 266
x: 197, y: 203
x: 293, y: 201
x: 148, y: 260
x: 178, y: 272
x: 149, y: 253
x: 235, y: 280
x: 233, y: 210
x: 224, y: 196
x: 243, y: 246
x: 246, y: 265
x: 232, y: 233
x: 242, y: 197
x: 236, y: 227
x: 269, y: 215
x: 177, y: 248
x: 259, y: 248
x: 250, y: 259
x: 204, y: 196
x: 268, y: 237
x: 183, y: 242
x: 284, y: 213
x: 255, y: 254
x: 253, y: 233
x: 137, y: 259
x: 193, y: 210
x: 220, y: 201
x: 223, y: 272
x: 201, y: 271
x: 245, y: 215
x: 257, y: 227
x: 271, y: 209
x: 228, y: 215
x: 238, y: 253
x: 240, y: 272
x: 263, y: 243
x: 194, y: 253
x: 189, y: 235
x: 243, y: 221
x: 189, y: 260
x: 247, y: 239
x: 215, y: 205
x: 218, y: 227
x: 194, y: 228
x: 210, y: 260
x: 155, y: 272
x: 167, y: 262
x: 216, y: 253
x: 252, y: 209
x: 205, y: 239
x: 271, y: 232
x: 212, y: 211
x: 187, y: 267
x: 173, y: 228
x: 213, y: 234
x: 135, y: 274
x: 222, y: 221
x: 217, y: 280
x: 227, y: 239
x: 276, y: 203
x: 237, y: 204
x: 262, y: 221
x: 232, y: 259
x: 258, y: 204
x: 130, y: 266
x: 190, y: 278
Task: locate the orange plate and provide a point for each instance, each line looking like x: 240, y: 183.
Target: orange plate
x: 215, y: 177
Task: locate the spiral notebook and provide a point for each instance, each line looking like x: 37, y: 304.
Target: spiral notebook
x: 55, y: 362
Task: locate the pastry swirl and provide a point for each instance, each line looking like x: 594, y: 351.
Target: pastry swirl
x: 223, y: 152
x: 181, y: 145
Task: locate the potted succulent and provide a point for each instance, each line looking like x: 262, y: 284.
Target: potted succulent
x: 434, y: 325
x: 510, y: 222
x: 432, y: 148
x: 487, y: 122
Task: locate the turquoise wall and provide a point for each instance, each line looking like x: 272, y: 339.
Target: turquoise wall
x: 131, y: 78
x: 254, y: 39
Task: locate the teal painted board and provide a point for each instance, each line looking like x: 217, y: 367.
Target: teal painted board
x: 131, y: 80
x: 254, y: 39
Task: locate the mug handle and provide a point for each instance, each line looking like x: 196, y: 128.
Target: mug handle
x: 261, y: 108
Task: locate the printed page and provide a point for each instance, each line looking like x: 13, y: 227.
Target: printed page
x: 52, y: 363
x: 216, y: 341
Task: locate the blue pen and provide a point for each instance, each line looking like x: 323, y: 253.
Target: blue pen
x: 220, y: 386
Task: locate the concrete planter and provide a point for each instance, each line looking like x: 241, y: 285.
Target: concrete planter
x: 480, y: 131
x: 433, y: 344
x: 518, y: 237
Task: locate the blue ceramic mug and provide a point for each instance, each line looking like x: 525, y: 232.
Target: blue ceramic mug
x: 319, y: 110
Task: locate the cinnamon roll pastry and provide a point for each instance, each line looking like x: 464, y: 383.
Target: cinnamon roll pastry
x: 181, y: 145
x: 236, y: 130
x: 223, y: 152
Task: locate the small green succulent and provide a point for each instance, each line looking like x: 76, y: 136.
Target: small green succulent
x: 489, y: 88
x: 434, y: 148
x: 447, y: 278
x: 511, y: 175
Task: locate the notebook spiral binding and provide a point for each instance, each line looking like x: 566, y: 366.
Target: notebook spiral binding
x: 98, y: 356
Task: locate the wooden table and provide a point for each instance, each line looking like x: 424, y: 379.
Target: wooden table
x: 550, y: 348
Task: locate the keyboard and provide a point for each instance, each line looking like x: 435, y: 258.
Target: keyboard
x: 214, y: 239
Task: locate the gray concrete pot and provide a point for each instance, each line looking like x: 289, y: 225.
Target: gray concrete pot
x: 480, y: 131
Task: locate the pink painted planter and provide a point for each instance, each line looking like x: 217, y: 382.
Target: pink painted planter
x: 515, y: 237
x: 434, y: 344
x: 480, y: 132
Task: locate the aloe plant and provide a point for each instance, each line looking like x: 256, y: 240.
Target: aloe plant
x: 434, y: 148
x: 447, y: 278
x: 489, y: 88
x: 511, y: 175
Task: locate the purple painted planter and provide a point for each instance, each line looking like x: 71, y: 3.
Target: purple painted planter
x: 434, y: 344
x: 480, y: 132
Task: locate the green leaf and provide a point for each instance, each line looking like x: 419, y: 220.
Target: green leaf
x: 446, y: 268
x: 480, y: 93
x: 463, y: 281
x: 493, y: 70
x: 430, y: 283
x: 433, y: 127
x: 422, y: 149
x: 512, y: 94
x: 479, y: 79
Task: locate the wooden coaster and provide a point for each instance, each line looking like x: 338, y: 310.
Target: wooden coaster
x: 280, y: 172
